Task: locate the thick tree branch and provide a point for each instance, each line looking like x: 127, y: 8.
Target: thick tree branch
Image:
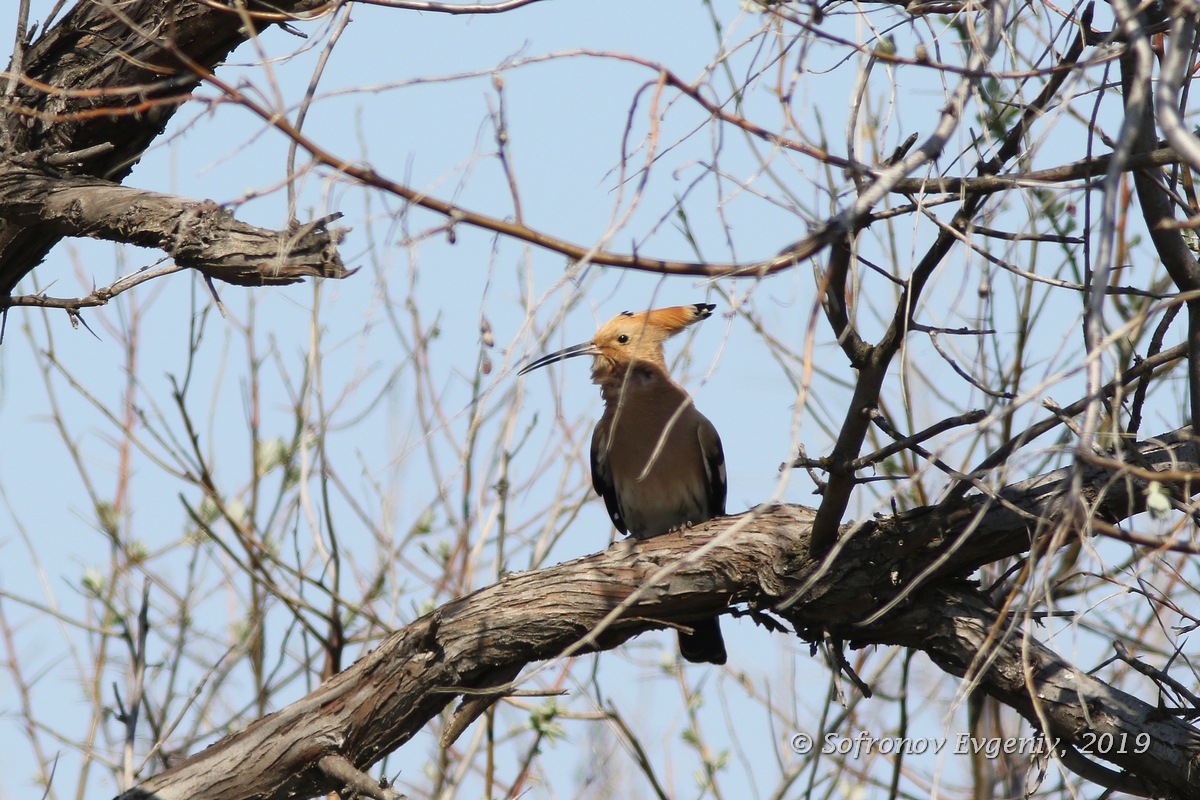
x: 197, y: 234
x: 104, y: 82
x: 965, y: 636
x: 380, y: 702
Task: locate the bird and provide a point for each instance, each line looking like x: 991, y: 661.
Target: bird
x: 656, y: 460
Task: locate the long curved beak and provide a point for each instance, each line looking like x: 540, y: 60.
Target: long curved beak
x: 585, y: 349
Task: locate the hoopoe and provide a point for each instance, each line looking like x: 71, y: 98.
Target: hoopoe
x: 656, y: 460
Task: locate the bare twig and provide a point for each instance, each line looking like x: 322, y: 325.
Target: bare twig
x: 1158, y: 675
x: 910, y: 442
x: 355, y: 781
x: 451, y: 8
x: 1002, y: 453
x: 97, y: 297
x: 136, y: 683
x: 968, y: 377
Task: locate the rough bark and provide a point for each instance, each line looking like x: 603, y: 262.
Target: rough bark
x: 965, y: 636
x: 197, y: 234
x: 95, y: 90
x: 380, y: 702
x: 201, y: 235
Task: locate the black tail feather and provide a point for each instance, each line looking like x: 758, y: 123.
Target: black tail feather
x: 705, y: 645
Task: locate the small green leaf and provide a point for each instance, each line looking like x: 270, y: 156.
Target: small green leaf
x: 93, y: 582
x: 271, y: 453
x: 109, y: 519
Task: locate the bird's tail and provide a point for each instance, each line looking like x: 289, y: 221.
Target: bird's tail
x: 704, y: 645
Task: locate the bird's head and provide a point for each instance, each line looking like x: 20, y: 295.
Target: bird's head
x: 630, y: 338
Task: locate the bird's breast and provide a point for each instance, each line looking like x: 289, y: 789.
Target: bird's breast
x: 657, y: 468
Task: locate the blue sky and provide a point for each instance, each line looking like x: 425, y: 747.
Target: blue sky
x: 566, y: 118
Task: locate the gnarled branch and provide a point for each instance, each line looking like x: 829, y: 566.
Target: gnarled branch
x: 102, y: 84
x: 385, y: 698
x: 197, y: 234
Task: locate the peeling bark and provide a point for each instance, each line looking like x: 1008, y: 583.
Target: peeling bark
x: 197, y: 234
x: 96, y: 89
x: 964, y: 636
x: 381, y: 701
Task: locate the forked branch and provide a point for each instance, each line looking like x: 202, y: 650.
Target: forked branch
x: 197, y: 234
x: 384, y: 699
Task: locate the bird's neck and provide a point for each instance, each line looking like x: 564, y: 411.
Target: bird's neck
x: 623, y: 383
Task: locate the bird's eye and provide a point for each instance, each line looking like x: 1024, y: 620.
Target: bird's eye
x: 623, y: 339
